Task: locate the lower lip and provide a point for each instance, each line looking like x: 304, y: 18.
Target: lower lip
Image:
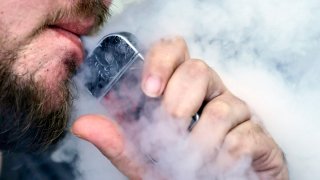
x: 71, y: 37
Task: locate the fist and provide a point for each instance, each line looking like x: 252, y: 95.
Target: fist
x: 226, y: 131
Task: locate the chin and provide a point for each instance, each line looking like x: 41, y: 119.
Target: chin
x: 57, y: 96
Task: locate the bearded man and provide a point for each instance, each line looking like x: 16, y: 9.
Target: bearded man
x: 40, y: 48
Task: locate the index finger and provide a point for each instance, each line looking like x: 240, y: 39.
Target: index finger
x: 161, y: 61
x: 192, y: 84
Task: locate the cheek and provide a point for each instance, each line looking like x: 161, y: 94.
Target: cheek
x: 44, y: 59
x: 21, y: 17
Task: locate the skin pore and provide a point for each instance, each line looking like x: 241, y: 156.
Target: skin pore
x: 37, y: 58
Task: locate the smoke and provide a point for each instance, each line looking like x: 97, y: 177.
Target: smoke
x: 267, y: 53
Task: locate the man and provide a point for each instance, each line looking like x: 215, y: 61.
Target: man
x: 39, y: 50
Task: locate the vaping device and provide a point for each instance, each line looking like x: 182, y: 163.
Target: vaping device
x: 115, y: 54
x: 115, y: 68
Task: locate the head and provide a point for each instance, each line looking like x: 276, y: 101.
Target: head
x: 40, y: 48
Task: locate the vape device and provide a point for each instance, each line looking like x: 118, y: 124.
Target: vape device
x: 115, y: 67
x: 115, y: 54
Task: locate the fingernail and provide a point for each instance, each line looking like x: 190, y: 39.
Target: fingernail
x: 152, y: 86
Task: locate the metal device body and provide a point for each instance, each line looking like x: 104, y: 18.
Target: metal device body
x: 115, y: 66
x: 115, y: 54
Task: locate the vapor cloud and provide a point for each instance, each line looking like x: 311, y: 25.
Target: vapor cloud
x: 267, y: 53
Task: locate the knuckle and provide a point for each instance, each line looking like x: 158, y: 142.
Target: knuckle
x: 176, y: 41
x: 234, y: 144
x: 240, y: 107
x: 178, y: 48
x: 175, y: 111
x: 169, y: 49
x: 180, y: 43
x: 243, y: 108
x: 197, y: 67
x: 218, y: 111
x: 173, y: 40
x: 241, y: 103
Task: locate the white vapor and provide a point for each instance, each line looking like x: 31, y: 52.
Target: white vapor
x: 267, y: 53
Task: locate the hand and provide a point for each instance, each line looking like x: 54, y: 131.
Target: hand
x: 225, y: 128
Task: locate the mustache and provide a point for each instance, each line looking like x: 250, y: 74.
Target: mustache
x: 97, y: 8
x: 82, y: 9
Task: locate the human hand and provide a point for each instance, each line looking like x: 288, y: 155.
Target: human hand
x: 225, y: 127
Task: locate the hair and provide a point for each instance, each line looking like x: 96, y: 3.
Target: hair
x: 26, y: 123
x: 28, y: 120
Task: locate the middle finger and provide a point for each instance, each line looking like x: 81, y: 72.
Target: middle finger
x: 192, y: 83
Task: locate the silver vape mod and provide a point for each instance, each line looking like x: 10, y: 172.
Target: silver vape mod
x: 115, y: 67
x: 115, y: 54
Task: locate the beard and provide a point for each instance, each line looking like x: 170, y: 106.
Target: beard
x: 29, y: 121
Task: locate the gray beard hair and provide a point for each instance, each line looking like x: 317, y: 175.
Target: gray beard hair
x: 26, y: 124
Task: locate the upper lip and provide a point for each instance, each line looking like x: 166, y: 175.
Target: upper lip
x: 78, y: 27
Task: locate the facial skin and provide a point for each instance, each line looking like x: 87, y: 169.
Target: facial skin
x: 40, y: 49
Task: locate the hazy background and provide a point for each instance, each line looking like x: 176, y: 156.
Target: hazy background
x: 267, y: 53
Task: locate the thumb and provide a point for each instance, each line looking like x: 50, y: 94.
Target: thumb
x: 101, y: 132
x: 107, y: 137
